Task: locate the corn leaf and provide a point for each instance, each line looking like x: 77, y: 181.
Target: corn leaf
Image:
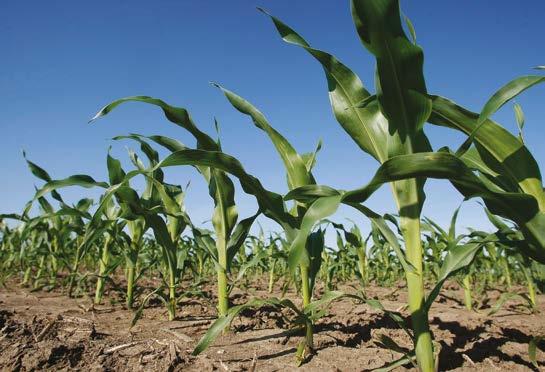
x: 507, y: 93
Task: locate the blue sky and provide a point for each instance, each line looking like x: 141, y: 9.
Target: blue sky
x: 63, y: 60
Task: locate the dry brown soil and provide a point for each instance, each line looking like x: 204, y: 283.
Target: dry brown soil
x: 48, y: 331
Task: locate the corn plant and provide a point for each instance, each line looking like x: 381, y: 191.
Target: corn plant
x: 229, y: 235
x: 389, y: 126
x: 299, y: 173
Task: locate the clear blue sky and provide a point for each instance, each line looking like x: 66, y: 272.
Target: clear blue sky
x: 63, y: 60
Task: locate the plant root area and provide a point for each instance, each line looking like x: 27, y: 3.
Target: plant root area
x: 42, y: 330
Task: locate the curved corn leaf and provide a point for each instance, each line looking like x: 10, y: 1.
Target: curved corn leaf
x: 443, y: 165
x: 497, y: 147
x: 140, y: 310
x: 223, y: 322
x: 405, y: 359
x: 495, y: 220
x: 176, y: 115
x: 311, y: 312
x: 81, y: 180
x: 115, y: 171
x: 42, y: 174
x: 309, y: 193
x: 271, y: 204
x: 507, y: 93
x: 238, y: 237
x: 457, y: 258
x: 366, y: 125
x: 317, y: 211
x: 13, y: 216
x: 298, y: 175
x: 452, y: 228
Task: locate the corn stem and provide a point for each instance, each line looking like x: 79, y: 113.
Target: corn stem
x: 104, y: 261
x: 410, y: 226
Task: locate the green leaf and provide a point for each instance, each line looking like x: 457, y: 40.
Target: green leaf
x: 225, y: 216
x: 223, y: 322
x: 314, y: 247
x: 42, y: 174
x: 13, y: 216
x: 309, y: 193
x: 458, y: 258
x: 176, y: 115
x: 409, y: 358
x: 366, y: 125
x: 452, y: 227
x: 271, y: 204
x: 298, y: 175
x: 411, y: 28
x: 115, y: 171
x: 380, y: 224
x: 532, y: 348
x: 496, y: 221
x: 495, y: 143
x: 508, y: 92
x: 317, y: 211
x: 238, y: 237
x: 401, y: 89
x: 318, y: 306
x: 444, y: 165
x: 310, y: 157
x: 519, y: 117
x: 140, y: 310
x: 81, y: 180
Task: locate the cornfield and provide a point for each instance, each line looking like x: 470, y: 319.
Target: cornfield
x: 139, y: 249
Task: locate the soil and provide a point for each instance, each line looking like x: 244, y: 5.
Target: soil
x: 49, y: 331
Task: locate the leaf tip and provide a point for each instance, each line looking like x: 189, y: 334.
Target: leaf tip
x: 263, y: 10
x: 215, y: 84
x: 94, y: 118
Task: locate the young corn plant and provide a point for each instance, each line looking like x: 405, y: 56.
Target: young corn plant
x: 510, y: 242
x: 106, y: 264
x: 298, y: 173
x: 306, y: 245
x: 229, y: 235
x: 355, y: 243
x: 389, y: 126
x: 443, y: 241
x: 141, y: 213
x: 392, y: 126
x: 159, y: 199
